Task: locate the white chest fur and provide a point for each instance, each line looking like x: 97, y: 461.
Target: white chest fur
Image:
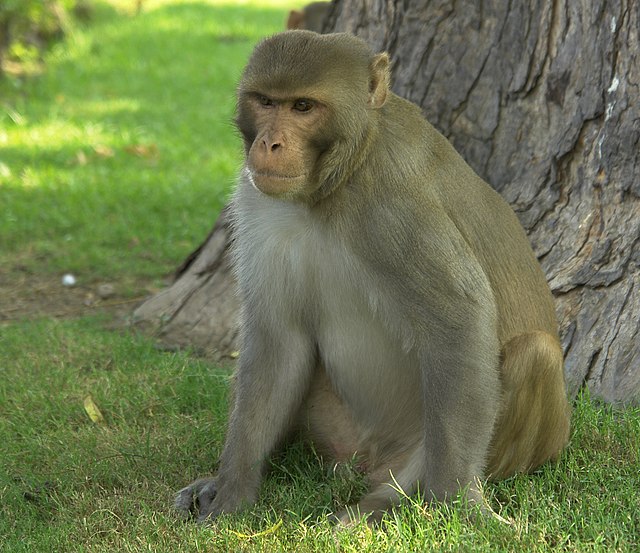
x: 304, y: 276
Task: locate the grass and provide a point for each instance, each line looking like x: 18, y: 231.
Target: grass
x: 70, y: 484
x: 117, y: 159
x: 113, y: 164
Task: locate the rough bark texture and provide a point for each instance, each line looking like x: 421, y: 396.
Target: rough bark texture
x: 541, y: 98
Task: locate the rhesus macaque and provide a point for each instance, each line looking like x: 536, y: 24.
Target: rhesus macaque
x: 310, y: 18
x: 392, y: 306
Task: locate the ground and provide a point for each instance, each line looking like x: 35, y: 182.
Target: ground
x: 25, y: 295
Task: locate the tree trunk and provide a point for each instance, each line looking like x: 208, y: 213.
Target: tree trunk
x: 200, y: 309
x: 542, y: 101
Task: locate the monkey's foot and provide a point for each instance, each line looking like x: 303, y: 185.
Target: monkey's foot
x: 353, y: 514
x: 483, y: 511
x: 196, y: 500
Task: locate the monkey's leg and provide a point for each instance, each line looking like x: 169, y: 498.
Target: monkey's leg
x: 533, y: 425
x: 329, y: 424
x: 392, y: 480
x: 461, y: 401
x: 326, y: 421
x: 272, y: 378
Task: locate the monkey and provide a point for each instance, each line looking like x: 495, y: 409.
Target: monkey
x: 392, y: 306
x: 310, y: 18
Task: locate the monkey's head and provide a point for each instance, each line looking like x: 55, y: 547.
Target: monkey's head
x: 307, y: 108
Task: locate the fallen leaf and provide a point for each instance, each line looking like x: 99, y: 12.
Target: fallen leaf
x: 92, y: 410
x: 81, y: 158
x: 103, y: 151
x: 89, y: 299
x: 142, y: 150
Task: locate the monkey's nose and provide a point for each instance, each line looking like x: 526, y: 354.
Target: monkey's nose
x: 272, y: 142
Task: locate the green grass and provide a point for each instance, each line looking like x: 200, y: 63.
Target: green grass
x: 69, y: 484
x: 114, y: 163
x: 118, y: 158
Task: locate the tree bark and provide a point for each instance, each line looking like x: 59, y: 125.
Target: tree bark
x: 542, y: 100
x: 200, y: 309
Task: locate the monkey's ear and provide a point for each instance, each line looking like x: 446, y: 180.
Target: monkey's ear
x: 379, y: 80
x: 296, y: 20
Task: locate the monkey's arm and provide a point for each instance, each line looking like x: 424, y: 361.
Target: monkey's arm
x: 273, y: 375
x: 445, y: 301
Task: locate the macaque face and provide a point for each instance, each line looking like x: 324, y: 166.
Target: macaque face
x: 303, y: 118
x: 284, y: 140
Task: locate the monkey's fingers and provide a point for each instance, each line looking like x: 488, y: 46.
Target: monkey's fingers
x: 196, y: 498
x: 185, y: 502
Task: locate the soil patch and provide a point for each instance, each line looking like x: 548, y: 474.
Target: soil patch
x: 27, y: 296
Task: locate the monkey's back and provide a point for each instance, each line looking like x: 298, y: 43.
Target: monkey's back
x: 497, y: 238
x: 488, y: 225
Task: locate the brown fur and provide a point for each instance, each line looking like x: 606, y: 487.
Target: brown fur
x: 310, y: 18
x: 392, y: 306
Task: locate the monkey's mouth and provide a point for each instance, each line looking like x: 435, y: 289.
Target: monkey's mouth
x: 274, y: 184
x: 264, y: 175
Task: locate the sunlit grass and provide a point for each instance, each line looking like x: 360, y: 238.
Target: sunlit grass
x: 71, y: 484
x: 117, y: 159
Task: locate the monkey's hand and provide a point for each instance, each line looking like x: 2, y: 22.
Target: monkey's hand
x: 205, y: 499
x: 197, y: 499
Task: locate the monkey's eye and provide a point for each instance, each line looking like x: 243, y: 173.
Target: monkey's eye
x: 264, y: 101
x: 302, y: 105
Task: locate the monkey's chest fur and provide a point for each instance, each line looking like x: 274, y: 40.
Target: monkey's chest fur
x: 306, y: 279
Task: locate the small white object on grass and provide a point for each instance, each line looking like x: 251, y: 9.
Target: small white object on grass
x: 68, y: 280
